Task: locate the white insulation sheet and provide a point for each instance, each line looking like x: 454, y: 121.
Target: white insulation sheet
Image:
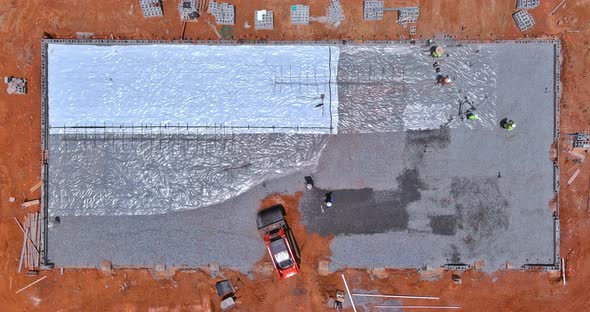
x: 198, y: 85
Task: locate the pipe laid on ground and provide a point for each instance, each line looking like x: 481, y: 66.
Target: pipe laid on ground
x: 416, y: 307
x: 557, y: 7
x: 563, y: 270
x: 31, y: 284
x: 398, y: 296
x: 348, y: 292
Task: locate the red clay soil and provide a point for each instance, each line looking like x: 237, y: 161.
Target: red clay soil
x: 24, y: 22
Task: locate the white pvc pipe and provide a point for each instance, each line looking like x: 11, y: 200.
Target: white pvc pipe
x: 417, y: 307
x: 31, y: 284
x: 557, y: 7
x: 348, y: 292
x: 398, y: 296
x: 563, y: 270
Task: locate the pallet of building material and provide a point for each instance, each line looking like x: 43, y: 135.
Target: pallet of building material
x: 36, y: 186
x: 373, y: 10
x: 189, y: 12
x: 151, y: 8
x: 30, y: 203
x: 16, y: 85
x: 527, y: 4
x: 263, y: 19
x: 524, y: 20
x: 408, y: 15
x: 224, y: 13
x: 30, y: 257
x: 300, y: 14
x: 580, y: 140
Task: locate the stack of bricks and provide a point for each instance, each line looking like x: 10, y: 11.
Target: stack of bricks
x: 524, y: 20
x: 527, y: 4
x: 151, y: 8
x: 263, y: 19
x: 406, y: 16
x: 188, y: 10
x: 299, y: 14
x: 224, y: 13
x: 373, y: 10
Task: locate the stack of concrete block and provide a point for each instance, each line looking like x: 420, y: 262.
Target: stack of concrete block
x: 30, y: 257
x: 373, y: 10
x: 225, y: 13
x: 408, y: 15
x: 527, y: 4
x: 16, y: 85
x: 524, y: 20
x: 581, y: 140
x: 299, y: 14
x: 263, y: 19
x: 188, y: 10
x: 151, y: 8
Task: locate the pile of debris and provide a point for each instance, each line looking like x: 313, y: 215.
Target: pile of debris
x: 16, y: 85
x: 30, y: 256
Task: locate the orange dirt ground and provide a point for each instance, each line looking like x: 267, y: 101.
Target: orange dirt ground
x: 23, y: 23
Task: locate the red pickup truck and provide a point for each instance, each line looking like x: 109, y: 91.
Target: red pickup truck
x: 279, y: 240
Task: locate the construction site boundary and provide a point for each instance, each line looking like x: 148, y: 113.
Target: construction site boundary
x: 45, y: 261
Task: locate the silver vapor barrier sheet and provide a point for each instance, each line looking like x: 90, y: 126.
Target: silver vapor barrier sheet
x: 245, y: 87
x: 385, y: 88
x: 112, y: 174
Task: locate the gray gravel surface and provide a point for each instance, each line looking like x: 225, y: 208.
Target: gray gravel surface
x: 482, y: 194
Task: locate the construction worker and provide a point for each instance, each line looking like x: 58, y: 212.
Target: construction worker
x: 443, y: 80
x: 471, y: 115
x: 308, y: 182
x: 437, y: 52
x: 509, y: 125
x: 328, y: 200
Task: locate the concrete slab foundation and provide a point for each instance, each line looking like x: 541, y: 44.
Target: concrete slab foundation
x: 403, y: 197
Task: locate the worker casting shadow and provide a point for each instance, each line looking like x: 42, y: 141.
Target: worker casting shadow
x: 507, y: 124
x: 503, y: 123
